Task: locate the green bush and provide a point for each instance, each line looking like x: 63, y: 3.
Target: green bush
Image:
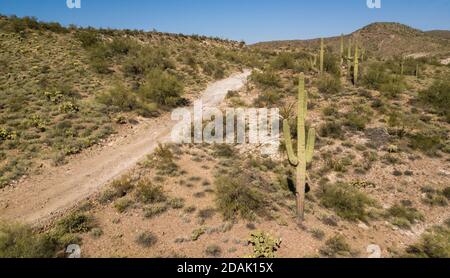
x: 331, y: 64
x: 19, y: 241
x: 146, y: 239
x: 119, y: 97
x: 428, y: 144
x: 75, y: 223
x: 147, y: 59
x: 328, y: 84
x: 266, y: 79
x: 87, y: 38
x: 433, y: 244
x: 162, y: 88
x: 403, y: 216
x: 438, y: 96
x: 148, y: 193
x: 331, y: 129
x: 284, y: 61
x: 236, y: 198
x: 336, y: 246
x: 348, y: 202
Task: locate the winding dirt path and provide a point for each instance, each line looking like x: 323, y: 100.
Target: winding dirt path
x: 41, y: 198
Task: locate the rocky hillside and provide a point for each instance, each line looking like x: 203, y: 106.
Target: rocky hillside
x: 63, y: 90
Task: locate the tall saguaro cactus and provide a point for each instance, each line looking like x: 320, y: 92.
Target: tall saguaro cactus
x: 305, y: 148
x: 349, y: 55
x: 342, y: 50
x: 356, y: 66
x: 321, y: 55
x: 402, y: 65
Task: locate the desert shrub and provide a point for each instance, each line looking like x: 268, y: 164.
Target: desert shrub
x: 19, y: 241
x: 446, y: 192
x: 162, y: 88
x: 154, y: 210
x: 393, y: 87
x: 122, y: 186
x: 335, y: 247
x: 146, y: 239
x: 163, y: 160
x: 331, y: 64
x: 438, y: 96
x: 403, y: 216
x: 147, y: 59
x: 318, y: 234
x: 266, y: 79
x: 236, y: 198
x: 268, y: 98
x: 213, y: 251
x: 331, y: 129
x: 123, y: 204
x: 213, y: 69
x: 119, y: 96
x: 375, y: 76
x: 284, y: 61
x: 76, y: 223
x: 122, y: 46
x: 223, y: 150
x: 87, y: 38
x: 348, y: 202
x: 328, y: 84
x: 428, y: 144
x: 358, y: 117
x: 433, y: 244
x: 148, y: 193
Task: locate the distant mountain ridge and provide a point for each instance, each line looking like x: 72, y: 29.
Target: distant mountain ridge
x: 385, y: 39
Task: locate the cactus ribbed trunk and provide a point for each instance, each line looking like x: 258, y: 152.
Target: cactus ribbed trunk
x: 321, y: 55
x: 356, y: 66
x: 402, y: 66
x: 342, y: 50
x: 349, y: 56
x: 305, y: 147
x: 301, y: 150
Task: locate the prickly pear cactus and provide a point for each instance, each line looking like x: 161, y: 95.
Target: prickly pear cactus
x: 264, y: 245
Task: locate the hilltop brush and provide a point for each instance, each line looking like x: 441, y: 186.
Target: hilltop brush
x: 304, y: 149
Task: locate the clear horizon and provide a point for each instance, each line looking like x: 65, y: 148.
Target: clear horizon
x: 249, y: 20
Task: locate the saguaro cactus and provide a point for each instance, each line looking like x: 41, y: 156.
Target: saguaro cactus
x: 402, y: 62
x: 349, y: 55
x: 356, y: 66
x: 304, y: 149
x: 321, y: 55
x: 342, y: 50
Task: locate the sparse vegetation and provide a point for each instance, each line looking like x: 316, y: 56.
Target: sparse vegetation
x: 347, y: 201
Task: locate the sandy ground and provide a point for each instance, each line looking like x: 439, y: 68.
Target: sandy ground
x: 43, y: 197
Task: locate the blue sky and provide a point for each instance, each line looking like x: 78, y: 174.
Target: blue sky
x: 249, y: 20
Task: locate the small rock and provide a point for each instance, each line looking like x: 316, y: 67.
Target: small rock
x: 363, y: 226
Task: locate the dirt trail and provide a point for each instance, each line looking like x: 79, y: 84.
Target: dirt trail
x: 40, y: 198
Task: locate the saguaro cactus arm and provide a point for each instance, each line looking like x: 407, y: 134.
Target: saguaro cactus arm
x: 310, y: 145
x: 288, y: 141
